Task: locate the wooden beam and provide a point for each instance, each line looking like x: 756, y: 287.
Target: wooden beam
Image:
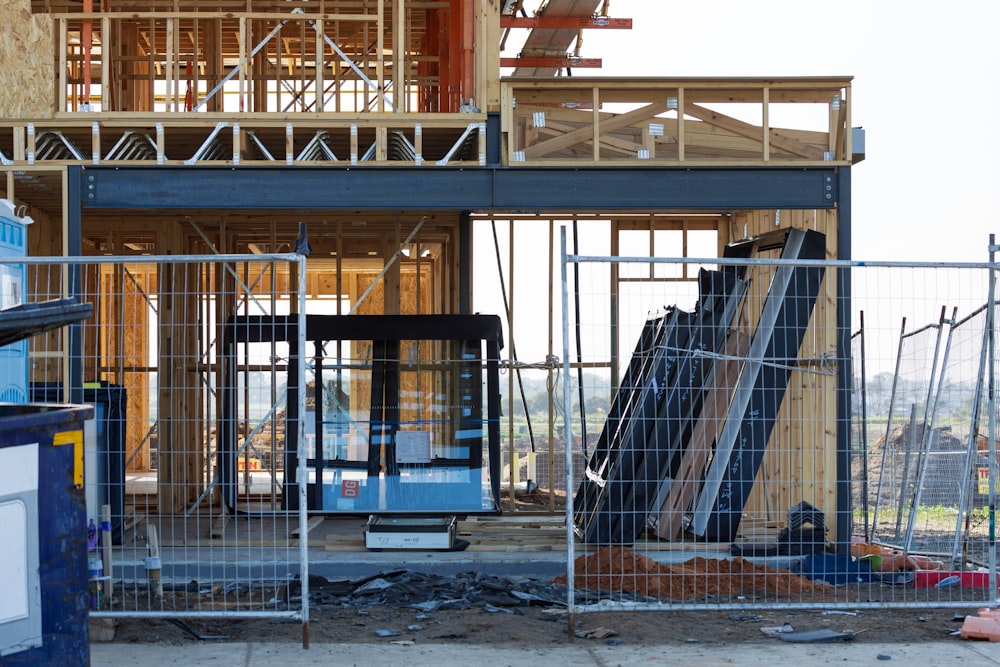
x: 730, y: 124
x: 585, y: 133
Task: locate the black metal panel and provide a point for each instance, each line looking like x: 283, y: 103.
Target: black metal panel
x: 762, y: 382
x: 845, y: 371
x: 619, y: 450
x: 265, y: 328
x: 650, y: 424
x: 452, y: 188
x: 659, y: 188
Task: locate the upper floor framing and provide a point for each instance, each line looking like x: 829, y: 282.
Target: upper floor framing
x: 375, y: 82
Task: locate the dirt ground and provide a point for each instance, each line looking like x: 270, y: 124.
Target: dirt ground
x: 338, y: 612
x: 530, y: 614
x: 537, y: 626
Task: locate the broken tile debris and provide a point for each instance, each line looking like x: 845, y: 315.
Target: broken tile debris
x: 816, y: 636
x: 774, y: 631
x: 428, y: 593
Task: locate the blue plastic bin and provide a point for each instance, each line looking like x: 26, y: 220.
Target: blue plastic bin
x: 13, y: 357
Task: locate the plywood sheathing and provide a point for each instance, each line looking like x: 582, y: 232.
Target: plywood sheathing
x: 27, y: 79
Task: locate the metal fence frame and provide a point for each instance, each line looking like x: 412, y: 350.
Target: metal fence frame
x: 603, y: 600
x: 71, y: 284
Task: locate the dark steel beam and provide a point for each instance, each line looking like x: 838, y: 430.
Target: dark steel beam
x: 456, y: 188
x: 845, y: 371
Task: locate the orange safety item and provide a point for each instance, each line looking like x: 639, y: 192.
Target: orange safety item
x: 984, y: 626
x: 866, y: 549
x: 893, y: 561
x: 896, y: 562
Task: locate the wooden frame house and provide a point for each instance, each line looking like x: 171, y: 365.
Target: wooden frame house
x: 193, y: 127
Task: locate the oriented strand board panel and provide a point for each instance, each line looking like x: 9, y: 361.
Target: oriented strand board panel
x: 27, y: 78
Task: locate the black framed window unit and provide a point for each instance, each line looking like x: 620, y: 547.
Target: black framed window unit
x: 402, y: 411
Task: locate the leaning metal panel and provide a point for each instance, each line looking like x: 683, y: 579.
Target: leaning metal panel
x: 148, y: 361
x: 787, y: 551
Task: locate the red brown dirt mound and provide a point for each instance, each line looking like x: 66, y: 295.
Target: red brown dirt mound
x: 620, y: 569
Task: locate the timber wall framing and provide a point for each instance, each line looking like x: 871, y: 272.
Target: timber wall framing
x: 519, y: 144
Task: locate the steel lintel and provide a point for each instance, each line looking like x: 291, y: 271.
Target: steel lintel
x: 463, y: 189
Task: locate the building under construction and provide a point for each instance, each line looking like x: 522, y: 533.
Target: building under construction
x: 379, y: 135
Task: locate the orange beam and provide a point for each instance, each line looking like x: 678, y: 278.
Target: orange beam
x: 561, y: 22
x: 550, y: 61
x: 468, y: 80
x: 86, y: 42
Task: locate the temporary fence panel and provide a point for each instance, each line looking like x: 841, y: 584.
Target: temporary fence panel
x: 162, y: 542
x: 859, y: 426
x: 732, y: 474
x: 899, y: 450
x: 950, y: 462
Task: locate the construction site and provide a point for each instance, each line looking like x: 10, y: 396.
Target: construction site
x: 279, y: 218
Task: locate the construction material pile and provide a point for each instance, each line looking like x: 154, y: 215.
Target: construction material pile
x: 618, y: 569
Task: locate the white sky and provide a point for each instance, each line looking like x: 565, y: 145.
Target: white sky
x: 924, y: 89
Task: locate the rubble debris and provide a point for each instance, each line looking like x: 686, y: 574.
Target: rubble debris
x: 816, y: 636
x: 774, y: 631
x: 428, y: 593
x: 744, y: 617
x: 595, y: 633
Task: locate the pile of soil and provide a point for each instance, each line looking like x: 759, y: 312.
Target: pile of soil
x: 905, y: 446
x: 620, y: 569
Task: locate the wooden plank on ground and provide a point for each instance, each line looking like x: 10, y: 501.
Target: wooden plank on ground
x: 311, y: 523
x: 218, y: 529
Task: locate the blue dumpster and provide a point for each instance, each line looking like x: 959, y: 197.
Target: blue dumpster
x: 43, y: 608
x: 105, y: 478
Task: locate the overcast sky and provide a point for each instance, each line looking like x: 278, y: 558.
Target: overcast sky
x: 925, y: 90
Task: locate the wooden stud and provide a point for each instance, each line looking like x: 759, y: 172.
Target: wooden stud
x: 399, y: 56
x: 681, y: 136
x: 61, y: 28
x: 380, y: 62
x: 319, y: 64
